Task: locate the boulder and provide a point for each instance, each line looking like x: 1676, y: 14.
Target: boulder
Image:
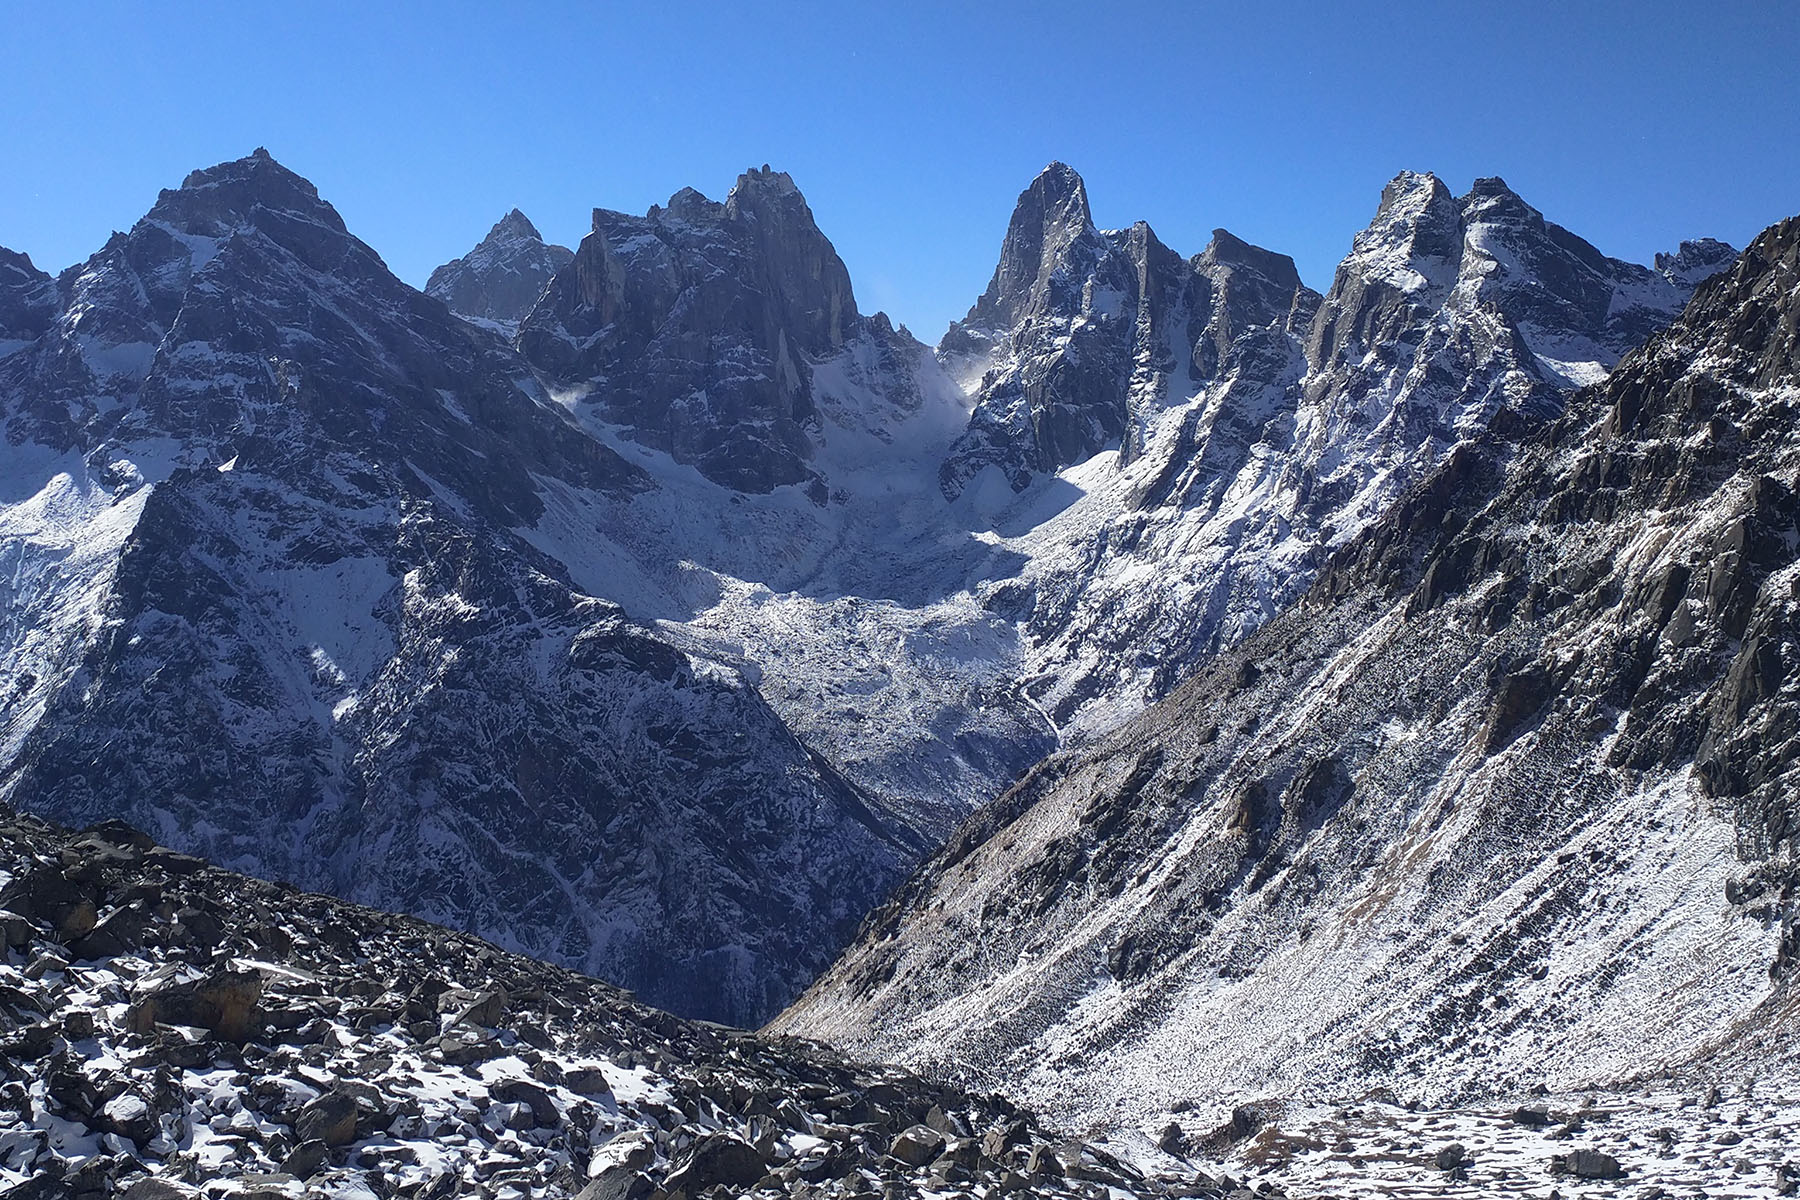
x: 1043, y: 1161
x: 544, y: 1113
x: 617, y: 1183
x: 307, y: 1159
x: 483, y: 1008
x: 717, y: 1158
x: 331, y: 1119
x: 152, y: 1189
x: 223, y: 1002
x: 946, y: 1123
x: 130, y: 1116
x: 1587, y: 1164
x: 1001, y: 1138
x: 15, y: 929
x: 917, y: 1145
x: 46, y: 894
x: 634, y: 1148
x: 587, y: 1081
x: 117, y: 932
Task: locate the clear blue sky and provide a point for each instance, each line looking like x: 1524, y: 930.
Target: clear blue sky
x: 911, y: 127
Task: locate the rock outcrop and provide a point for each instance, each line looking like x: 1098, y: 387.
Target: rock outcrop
x: 695, y: 327
x: 1082, y: 335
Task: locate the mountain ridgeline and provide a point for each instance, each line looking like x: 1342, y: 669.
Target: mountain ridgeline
x: 651, y: 609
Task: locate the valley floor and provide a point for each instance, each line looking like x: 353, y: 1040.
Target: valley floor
x: 1662, y: 1141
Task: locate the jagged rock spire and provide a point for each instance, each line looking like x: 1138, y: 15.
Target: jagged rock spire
x: 1050, y: 217
x: 1081, y: 334
x: 799, y: 267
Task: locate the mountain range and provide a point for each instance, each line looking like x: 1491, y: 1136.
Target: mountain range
x: 1176, y: 687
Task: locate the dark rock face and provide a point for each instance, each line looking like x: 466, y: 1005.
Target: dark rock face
x: 1551, y: 698
x: 288, y: 622
x: 27, y: 300
x: 694, y: 327
x: 1081, y: 333
x: 345, y: 1076
x: 500, y: 280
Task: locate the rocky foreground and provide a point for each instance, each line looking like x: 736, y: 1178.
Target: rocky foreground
x: 170, y: 1029
x: 173, y: 1030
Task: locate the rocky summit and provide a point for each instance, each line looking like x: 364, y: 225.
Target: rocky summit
x: 695, y: 326
x: 500, y: 280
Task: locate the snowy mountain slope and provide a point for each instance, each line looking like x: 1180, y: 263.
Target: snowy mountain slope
x: 263, y: 599
x: 795, y: 528
x: 932, y: 651
x: 1505, y: 801
x: 851, y: 616
x: 498, y: 281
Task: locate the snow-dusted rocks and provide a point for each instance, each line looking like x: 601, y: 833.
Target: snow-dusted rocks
x: 498, y: 281
x: 373, y: 1055
x: 1505, y: 801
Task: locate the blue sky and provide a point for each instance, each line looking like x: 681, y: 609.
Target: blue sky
x: 911, y: 127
